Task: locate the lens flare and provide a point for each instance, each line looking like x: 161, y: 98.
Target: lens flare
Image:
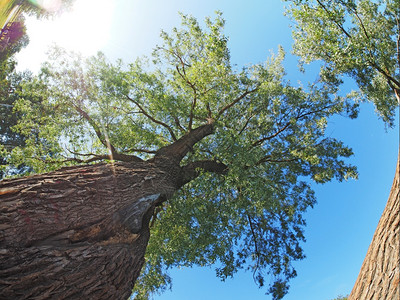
x: 84, y: 27
x: 48, y: 5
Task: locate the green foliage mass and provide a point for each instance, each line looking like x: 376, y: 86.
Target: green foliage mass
x: 341, y: 298
x: 359, y: 39
x: 13, y: 38
x: 269, y: 134
x: 10, y: 86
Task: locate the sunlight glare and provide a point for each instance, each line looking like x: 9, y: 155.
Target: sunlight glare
x: 85, y: 29
x: 49, y: 5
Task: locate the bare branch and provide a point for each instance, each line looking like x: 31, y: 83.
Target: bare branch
x: 96, y: 157
x: 95, y: 127
x: 140, y: 150
x: 143, y: 111
x: 193, y: 87
x: 333, y: 19
x: 178, y: 124
x: 253, y: 234
x: 262, y: 140
x: 225, y: 108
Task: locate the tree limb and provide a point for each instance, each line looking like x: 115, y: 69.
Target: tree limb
x: 143, y: 111
x: 255, y: 246
x: 97, y: 157
x: 178, y: 124
x: 95, y: 127
x: 193, y: 87
x: 194, y: 169
x: 371, y: 62
x: 182, y: 146
x: 114, y: 155
x: 269, y: 159
x: 225, y: 108
x: 262, y: 140
x: 140, y: 150
x: 333, y: 20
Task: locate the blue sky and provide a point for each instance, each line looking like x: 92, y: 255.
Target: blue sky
x: 340, y: 227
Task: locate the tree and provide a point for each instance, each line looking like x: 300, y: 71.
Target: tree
x: 212, y: 158
x: 361, y: 40
x: 13, y: 38
x: 341, y: 298
x: 9, y: 89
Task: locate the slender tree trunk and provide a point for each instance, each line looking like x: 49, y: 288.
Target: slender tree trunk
x: 80, y: 232
x: 380, y: 272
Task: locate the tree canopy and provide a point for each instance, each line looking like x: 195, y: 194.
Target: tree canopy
x: 247, y: 182
x: 359, y: 39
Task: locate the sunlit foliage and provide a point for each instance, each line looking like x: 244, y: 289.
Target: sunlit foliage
x: 359, y: 39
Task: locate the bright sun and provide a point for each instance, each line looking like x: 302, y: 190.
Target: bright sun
x: 85, y: 29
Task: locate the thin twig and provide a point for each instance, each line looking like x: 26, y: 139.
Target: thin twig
x: 332, y: 19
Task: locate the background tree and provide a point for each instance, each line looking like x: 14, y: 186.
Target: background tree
x: 13, y: 38
x: 219, y: 154
x: 361, y: 40
x: 9, y: 88
x: 341, y: 298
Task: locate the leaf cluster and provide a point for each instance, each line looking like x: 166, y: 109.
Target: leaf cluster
x: 359, y: 39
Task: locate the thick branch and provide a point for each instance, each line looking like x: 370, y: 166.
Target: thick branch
x: 181, y: 147
x: 98, y: 157
x: 194, y: 169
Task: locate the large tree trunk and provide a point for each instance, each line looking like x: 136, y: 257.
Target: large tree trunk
x: 380, y: 272
x: 80, y: 232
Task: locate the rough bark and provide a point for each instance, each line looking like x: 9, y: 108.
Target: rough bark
x: 80, y: 232
x: 380, y: 272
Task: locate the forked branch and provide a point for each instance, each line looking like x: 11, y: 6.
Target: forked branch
x: 228, y: 106
x: 178, y: 150
x: 144, y: 112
